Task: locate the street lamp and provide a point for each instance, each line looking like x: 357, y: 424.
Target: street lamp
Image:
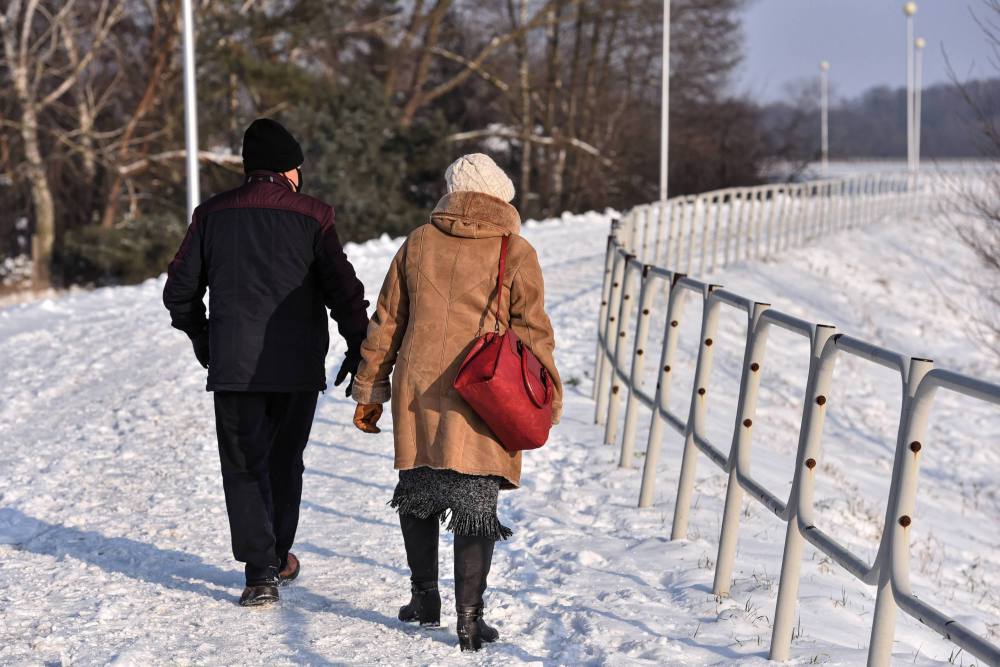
x: 665, y: 101
x: 824, y: 115
x: 918, y: 44
x: 190, y: 112
x: 909, y: 9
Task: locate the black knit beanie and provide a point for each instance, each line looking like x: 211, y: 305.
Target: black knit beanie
x: 268, y: 145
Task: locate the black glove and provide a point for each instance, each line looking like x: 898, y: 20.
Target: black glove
x: 200, y: 343
x: 352, y: 361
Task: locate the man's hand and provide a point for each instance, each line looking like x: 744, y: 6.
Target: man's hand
x: 366, y: 416
x: 200, y: 343
x: 351, y: 363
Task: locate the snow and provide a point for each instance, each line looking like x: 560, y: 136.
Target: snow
x: 114, y: 545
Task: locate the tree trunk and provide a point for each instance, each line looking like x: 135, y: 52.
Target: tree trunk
x: 41, y: 197
x: 525, y: 120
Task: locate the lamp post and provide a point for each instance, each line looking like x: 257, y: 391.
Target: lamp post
x: 665, y: 101
x: 190, y: 111
x: 918, y: 45
x: 909, y: 9
x: 824, y: 115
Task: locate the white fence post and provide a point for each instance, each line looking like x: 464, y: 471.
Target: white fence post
x: 646, y: 294
x: 696, y: 414
x: 661, y: 403
x: 746, y: 411
x: 810, y: 432
x: 661, y: 208
x: 884, y: 616
x: 620, y: 349
x: 602, y: 317
x: 604, y: 369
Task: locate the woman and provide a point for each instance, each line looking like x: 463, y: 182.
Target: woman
x: 439, y: 294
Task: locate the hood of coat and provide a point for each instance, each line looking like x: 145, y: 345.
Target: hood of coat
x: 475, y: 215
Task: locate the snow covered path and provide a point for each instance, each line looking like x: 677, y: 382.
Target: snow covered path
x: 114, y: 546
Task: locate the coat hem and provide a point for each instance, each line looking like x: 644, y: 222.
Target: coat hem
x: 253, y: 386
x: 459, y: 522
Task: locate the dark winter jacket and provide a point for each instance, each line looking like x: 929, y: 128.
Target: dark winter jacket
x: 271, y: 260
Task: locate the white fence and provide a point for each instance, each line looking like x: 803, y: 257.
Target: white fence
x: 708, y: 231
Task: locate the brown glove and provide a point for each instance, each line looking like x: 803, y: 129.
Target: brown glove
x: 366, y: 416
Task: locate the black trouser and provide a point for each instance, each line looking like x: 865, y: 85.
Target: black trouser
x: 261, y: 439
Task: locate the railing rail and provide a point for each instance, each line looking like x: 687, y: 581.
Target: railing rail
x: 705, y: 232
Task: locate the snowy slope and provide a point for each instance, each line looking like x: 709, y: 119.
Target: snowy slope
x: 114, y: 546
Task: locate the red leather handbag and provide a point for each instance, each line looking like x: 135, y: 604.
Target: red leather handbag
x: 503, y: 381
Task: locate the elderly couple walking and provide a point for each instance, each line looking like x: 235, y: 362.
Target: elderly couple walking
x: 272, y: 263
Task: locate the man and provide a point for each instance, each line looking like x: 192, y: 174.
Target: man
x: 271, y: 260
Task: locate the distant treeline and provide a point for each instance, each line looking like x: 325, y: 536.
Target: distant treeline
x: 873, y: 124
x: 383, y: 94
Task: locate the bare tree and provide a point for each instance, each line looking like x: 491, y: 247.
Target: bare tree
x: 47, y: 50
x: 978, y: 202
x: 163, y: 36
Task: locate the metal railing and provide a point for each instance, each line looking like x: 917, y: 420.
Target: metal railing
x: 706, y: 232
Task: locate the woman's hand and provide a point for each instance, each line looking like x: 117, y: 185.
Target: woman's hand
x: 366, y: 416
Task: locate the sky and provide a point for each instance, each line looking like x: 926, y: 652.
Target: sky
x: 862, y: 39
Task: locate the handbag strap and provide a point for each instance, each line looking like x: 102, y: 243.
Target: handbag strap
x: 503, y: 265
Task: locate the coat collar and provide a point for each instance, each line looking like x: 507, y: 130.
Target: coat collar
x: 475, y: 215
x: 262, y: 175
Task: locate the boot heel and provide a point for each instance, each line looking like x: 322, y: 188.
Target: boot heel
x: 467, y: 628
x: 430, y: 617
x: 470, y: 642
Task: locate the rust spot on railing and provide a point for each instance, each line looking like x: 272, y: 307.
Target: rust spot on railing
x: 904, y: 521
x: 708, y: 341
x: 755, y: 367
x: 915, y: 446
x: 673, y: 323
x: 820, y: 400
x: 810, y: 463
x: 748, y: 423
x: 666, y: 368
x: 614, y: 389
x: 701, y: 391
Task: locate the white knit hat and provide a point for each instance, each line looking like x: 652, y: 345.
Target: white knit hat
x: 478, y: 173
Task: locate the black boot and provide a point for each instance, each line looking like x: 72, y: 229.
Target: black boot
x: 424, y: 606
x: 261, y: 588
x: 420, y: 536
x: 473, y: 557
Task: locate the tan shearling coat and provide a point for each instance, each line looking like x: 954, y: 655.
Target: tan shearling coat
x: 439, y: 294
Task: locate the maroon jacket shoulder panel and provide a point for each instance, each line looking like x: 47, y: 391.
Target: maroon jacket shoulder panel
x: 270, y: 195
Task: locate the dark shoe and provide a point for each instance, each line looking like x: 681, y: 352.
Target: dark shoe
x: 472, y: 629
x: 256, y: 596
x: 290, y: 570
x: 424, y: 606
